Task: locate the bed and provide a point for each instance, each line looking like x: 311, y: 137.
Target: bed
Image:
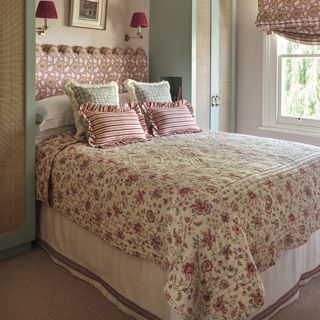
x: 192, y: 226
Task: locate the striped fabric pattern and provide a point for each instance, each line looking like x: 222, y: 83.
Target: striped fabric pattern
x: 89, y: 93
x: 116, y: 108
x: 148, y: 111
x: 173, y: 121
x: 141, y: 117
x: 110, y: 126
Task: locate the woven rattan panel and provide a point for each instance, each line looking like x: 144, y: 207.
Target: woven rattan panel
x: 203, y: 63
x: 11, y: 115
x: 225, y: 65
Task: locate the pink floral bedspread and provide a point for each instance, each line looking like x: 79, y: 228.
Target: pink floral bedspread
x: 212, y: 209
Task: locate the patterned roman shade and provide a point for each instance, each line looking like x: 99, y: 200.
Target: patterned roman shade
x: 297, y: 20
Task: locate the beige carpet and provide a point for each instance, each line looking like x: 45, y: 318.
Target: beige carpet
x: 32, y: 287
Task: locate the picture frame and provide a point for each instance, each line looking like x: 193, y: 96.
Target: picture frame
x: 90, y: 14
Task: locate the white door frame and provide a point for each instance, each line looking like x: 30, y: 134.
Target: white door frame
x: 215, y: 65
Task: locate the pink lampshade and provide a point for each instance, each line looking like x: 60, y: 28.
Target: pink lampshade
x: 46, y: 9
x: 139, y: 19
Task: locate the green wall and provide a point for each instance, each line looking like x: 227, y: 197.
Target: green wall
x: 171, y: 41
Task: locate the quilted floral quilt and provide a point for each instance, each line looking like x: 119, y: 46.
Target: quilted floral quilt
x: 212, y: 209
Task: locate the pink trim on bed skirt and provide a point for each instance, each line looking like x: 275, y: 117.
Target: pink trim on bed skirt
x: 146, y: 314
x: 78, y: 268
x: 286, y: 297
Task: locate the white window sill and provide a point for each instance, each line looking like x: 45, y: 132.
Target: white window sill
x: 308, y: 132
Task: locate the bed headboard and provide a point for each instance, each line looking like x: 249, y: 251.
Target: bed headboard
x: 91, y: 65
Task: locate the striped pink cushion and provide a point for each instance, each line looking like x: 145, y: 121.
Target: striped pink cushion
x: 148, y: 107
x: 168, y: 121
x: 110, y: 126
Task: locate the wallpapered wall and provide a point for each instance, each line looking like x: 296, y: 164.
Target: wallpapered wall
x: 119, y: 15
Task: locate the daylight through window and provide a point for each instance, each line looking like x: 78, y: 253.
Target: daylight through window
x: 293, y: 84
x: 300, y: 79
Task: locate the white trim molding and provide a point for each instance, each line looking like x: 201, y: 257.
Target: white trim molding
x: 272, y: 120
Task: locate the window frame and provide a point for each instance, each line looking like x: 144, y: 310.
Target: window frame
x: 272, y: 84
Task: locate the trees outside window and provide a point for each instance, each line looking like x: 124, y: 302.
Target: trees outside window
x: 291, y: 85
x: 300, y: 79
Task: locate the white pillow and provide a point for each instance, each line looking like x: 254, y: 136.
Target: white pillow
x: 54, y: 112
x: 46, y: 134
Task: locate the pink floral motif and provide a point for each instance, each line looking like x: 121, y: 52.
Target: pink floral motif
x: 251, y: 270
x: 201, y: 206
x: 220, y: 305
x: 184, y: 192
x: 210, y: 226
x: 206, y: 266
x: 93, y: 66
x: 150, y: 216
x: 208, y: 239
x: 189, y: 270
x: 298, y: 20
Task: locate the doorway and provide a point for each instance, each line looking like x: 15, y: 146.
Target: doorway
x: 216, y: 64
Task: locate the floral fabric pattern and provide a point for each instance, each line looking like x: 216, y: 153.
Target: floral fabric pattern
x: 90, y: 65
x: 212, y: 209
x: 297, y: 20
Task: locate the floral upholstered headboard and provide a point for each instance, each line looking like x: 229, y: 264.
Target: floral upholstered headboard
x: 90, y: 65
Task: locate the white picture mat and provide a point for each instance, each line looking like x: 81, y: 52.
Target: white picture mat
x: 75, y: 20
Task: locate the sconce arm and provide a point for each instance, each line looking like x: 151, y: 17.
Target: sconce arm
x: 41, y: 31
x: 138, y: 36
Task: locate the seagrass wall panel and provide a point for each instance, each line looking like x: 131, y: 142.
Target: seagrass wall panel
x: 203, y: 63
x: 12, y: 213
x: 225, y: 65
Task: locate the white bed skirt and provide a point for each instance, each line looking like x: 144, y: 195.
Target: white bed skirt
x: 136, y: 286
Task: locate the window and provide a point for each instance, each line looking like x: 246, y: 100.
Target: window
x: 291, y: 85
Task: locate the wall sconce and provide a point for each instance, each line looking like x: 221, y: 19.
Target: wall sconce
x: 47, y: 10
x: 139, y: 20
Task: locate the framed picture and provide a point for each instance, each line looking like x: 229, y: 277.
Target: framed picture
x: 88, y: 14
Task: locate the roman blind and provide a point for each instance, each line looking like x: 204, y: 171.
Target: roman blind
x: 297, y: 20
